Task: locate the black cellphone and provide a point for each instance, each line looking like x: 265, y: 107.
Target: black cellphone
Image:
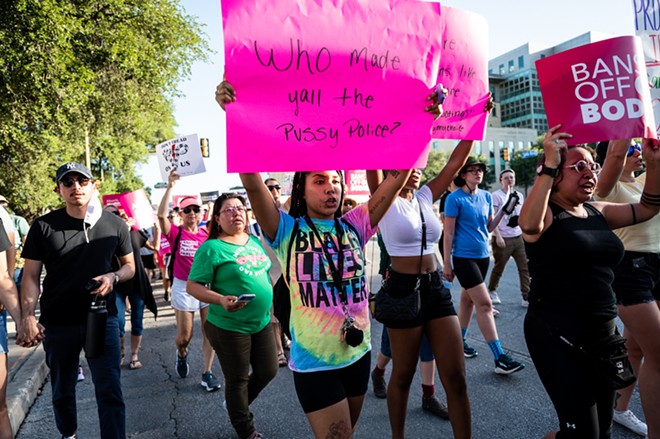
x: 92, y: 285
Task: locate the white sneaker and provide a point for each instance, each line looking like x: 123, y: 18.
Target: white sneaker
x: 494, y: 297
x: 630, y: 421
x: 524, y: 303
x: 496, y: 313
x: 81, y: 375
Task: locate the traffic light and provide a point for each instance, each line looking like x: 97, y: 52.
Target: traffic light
x: 204, y: 144
x: 505, y: 154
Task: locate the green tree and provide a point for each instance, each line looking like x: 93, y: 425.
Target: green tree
x: 525, y: 167
x: 103, y: 70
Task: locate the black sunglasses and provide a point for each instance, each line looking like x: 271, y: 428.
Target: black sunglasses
x: 189, y: 209
x: 274, y: 186
x: 68, y: 182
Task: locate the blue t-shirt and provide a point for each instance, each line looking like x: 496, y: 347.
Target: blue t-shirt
x: 471, y: 212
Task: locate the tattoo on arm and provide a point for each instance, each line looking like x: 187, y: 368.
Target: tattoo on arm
x: 394, y: 173
x: 376, y: 204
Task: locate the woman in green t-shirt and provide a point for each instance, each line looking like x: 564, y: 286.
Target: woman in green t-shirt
x: 233, y: 263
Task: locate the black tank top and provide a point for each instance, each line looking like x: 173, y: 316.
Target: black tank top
x: 571, y: 267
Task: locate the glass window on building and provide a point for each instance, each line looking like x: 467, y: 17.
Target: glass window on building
x: 521, y: 62
x: 502, y: 71
x: 511, y: 66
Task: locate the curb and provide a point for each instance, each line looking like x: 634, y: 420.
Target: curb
x: 24, y: 384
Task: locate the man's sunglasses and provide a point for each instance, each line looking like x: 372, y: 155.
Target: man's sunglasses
x: 633, y: 148
x: 68, y: 182
x: 187, y: 210
x: 274, y: 186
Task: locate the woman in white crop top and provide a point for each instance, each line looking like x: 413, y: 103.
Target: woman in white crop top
x: 401, y: 228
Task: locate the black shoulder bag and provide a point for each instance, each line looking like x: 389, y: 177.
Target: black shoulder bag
x: 393, y: 306
x: 351, y: 334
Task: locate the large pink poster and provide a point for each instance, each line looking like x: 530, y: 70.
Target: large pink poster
x: 135, y: 205
x: 464, y: 73
x: 329, y: 84
x: 598, y: 91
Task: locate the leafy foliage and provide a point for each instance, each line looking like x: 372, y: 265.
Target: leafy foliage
x: 105, y: 69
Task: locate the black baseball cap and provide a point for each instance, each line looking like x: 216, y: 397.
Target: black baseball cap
x: 72, y: 167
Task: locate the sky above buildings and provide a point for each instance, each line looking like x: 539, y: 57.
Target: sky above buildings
x: 512, y: 23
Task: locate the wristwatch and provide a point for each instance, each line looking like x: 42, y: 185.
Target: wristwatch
x: 116, y: 278
x: 545, y: 170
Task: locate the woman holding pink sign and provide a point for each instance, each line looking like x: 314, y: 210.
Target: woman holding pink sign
x: 325, y: 270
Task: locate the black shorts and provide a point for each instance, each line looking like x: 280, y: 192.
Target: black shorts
x: 636, y: 278
x: 318, y: 390
x: 470, y: 272
x: 435, y: 298
x: 148, y: 261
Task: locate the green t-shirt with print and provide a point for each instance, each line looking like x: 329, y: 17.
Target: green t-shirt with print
x: 232, y: 270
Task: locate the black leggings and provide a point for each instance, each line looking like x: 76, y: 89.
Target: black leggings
x: 583, y: 402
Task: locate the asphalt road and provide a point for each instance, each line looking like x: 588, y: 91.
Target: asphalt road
x: 161, y: 405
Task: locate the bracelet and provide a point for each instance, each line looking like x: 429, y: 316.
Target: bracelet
x: 650, y: 199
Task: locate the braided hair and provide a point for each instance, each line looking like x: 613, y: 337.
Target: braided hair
x: 298, y: 203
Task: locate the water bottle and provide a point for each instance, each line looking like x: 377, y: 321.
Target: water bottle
x: 96, y: 323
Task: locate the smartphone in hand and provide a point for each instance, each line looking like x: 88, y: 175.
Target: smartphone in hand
x: 245, y: 298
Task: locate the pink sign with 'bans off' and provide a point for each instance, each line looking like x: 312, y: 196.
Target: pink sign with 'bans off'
x: 598, y: 91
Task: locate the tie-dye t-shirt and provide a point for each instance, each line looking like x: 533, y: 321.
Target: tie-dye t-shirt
x: 316, y: 310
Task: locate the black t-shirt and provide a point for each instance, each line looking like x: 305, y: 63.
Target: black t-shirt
x: 58, y: 241
x: 571, y: 268
x: 5, y: 243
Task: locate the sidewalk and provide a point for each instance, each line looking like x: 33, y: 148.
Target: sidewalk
x: 27, y: 373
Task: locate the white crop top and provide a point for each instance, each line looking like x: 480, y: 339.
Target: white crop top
x: 401, y: 227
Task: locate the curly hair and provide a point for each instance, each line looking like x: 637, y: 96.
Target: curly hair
x: 298, y: 203
x: 215, y: 230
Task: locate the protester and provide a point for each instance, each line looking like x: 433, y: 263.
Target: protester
x: 468, y: 221
x: 8, y: 298
x: 410, y: 230
x: 76, y: 245
x: 349, y: 203
x: 232, y: 263
x: 430, y: 402
x: 507, y: 240
x: 572, y: 252
x: 636, y: 283
x: 138, y: 292
x: 184, y: 240
x: 11, y: 234
x: 330, y: 367
x: 147, y: 251
x: 21, y: 228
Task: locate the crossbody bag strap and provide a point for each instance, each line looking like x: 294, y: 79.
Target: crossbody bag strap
x: 294, y: 236
x: 175, y: 248
x: 423, y: 246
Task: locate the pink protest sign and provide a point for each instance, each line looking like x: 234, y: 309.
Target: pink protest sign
x: 464, y: 73
x: 135, y: 205
x: 356, y: 183
x: 329, y: 84
x: 598, y: 91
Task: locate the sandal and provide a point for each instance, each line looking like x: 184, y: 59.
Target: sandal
x: 281, y: 359
x: 134, y: 364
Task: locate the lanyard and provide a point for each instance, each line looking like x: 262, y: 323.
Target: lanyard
x: 336, y: 273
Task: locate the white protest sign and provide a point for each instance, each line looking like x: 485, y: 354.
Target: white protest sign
x: 182, y: 155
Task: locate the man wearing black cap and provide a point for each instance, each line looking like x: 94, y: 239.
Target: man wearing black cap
x: 76, y: 244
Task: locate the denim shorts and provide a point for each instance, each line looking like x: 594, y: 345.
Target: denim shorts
x: 636, y: 278
x: 3, y: 333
